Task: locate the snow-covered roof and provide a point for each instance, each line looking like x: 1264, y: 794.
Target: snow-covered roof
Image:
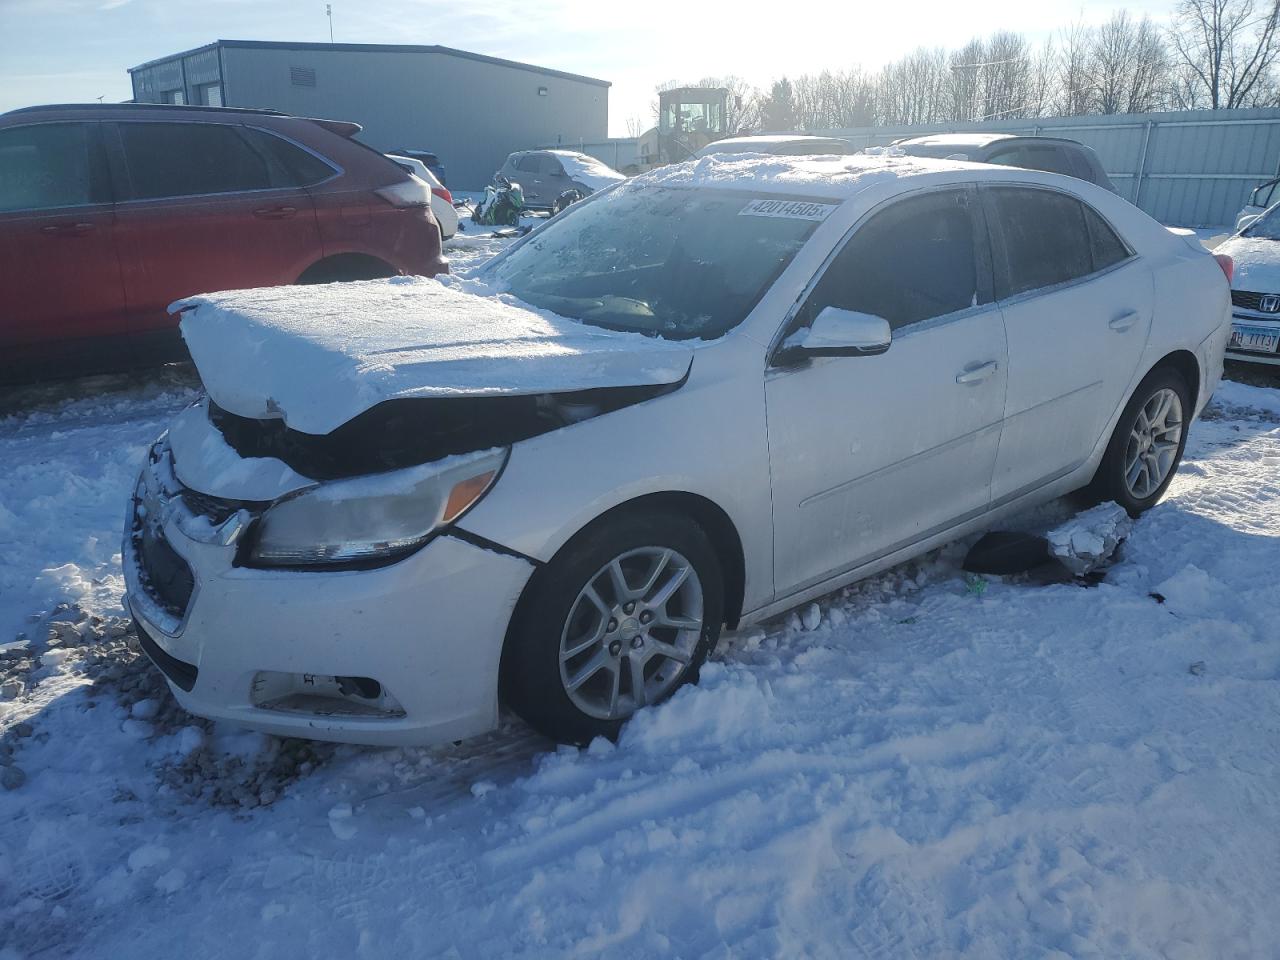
x: 835, y: 177
x: 587, y: 169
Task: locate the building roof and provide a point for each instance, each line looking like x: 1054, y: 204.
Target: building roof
x: 372, y: 48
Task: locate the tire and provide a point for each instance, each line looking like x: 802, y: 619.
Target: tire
x: 1125, y: 455
x: 343, y: 268
x: 560, y: 636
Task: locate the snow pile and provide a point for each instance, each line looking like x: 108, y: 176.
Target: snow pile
x: 319, y: 355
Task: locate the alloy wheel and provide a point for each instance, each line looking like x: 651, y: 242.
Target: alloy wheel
x: 1153, y: 443
x: 631, y: 632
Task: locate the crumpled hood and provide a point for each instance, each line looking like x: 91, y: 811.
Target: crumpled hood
x: 1257, y: 263
x: 317, y: 356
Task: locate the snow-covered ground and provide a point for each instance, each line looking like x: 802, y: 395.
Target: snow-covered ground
x: 930, y: 764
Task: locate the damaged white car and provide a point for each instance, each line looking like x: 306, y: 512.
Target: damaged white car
x: 694, y: 400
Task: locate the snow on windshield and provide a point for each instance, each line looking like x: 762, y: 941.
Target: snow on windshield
x: 679, y: 264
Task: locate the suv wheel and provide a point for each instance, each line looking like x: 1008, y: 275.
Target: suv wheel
x: 623, y: 616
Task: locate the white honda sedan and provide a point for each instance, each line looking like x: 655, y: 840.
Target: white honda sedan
x: 1255, y: 290
x: 695, y: 400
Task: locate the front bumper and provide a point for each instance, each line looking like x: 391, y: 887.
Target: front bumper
x: 428, y: 629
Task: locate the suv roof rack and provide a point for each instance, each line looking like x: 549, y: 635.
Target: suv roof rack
x: 144, y: 107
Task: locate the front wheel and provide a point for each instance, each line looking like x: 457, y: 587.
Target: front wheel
x: 623, y: 616
x: 1146, y: 447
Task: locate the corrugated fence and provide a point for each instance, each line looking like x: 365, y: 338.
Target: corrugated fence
x: 1189, y: 168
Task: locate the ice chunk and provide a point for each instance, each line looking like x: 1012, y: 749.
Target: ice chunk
x: 1088, y: 539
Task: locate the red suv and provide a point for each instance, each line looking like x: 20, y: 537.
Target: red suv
x: 109, y: 213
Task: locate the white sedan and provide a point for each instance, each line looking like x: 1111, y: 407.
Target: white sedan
x: 1255, y: 290
x: 695, y: 400
x: 442, y: 207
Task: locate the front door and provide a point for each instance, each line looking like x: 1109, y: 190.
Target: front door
x: 206, y: 210
x: 59, y: 274
x: 871, y: 454
x: 1077, y: 308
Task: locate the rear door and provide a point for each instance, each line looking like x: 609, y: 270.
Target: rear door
x: 1077, y: 308
x: 205, y: 208
x: 59, y: 275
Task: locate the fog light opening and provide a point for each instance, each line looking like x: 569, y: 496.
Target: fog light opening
x: 324, y: 696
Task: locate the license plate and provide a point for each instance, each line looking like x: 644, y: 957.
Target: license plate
x: 1255, y: 339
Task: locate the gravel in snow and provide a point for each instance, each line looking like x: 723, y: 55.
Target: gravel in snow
x: 927, y: 764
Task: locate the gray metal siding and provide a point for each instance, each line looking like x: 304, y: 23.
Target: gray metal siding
x: 186, y: 73
x: 471, y: 113
x: 1192, y: 168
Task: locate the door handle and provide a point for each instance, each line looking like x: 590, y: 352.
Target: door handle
x: 67, y: 229
x: 1123, y: 322
x: 275, y: 213
x: 970, y: 376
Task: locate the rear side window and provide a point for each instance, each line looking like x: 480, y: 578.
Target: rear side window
x: 1107, y: 248
x: 1050, y: 159
x: 911, y: 262
x: 191, y: 159
x: 1046, y: 240
x: 295, y: 167
x: 49, y: 165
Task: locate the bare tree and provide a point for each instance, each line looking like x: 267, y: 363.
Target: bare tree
x: 1125, y: 65
x: 1073, y: 71
x: 1228, y: 49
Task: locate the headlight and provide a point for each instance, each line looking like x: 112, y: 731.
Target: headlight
x: 382, y: 517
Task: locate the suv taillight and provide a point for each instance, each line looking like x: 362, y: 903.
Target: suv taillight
x: 443, y: 194
x: 1228, y: 266
x: 408, y: 193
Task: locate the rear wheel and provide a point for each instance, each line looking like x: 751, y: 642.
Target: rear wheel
x: 623, y: 616
x: 1146, y: 447
x: 345, y: 267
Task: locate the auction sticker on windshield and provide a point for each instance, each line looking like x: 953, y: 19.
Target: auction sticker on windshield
x: 788, y: 209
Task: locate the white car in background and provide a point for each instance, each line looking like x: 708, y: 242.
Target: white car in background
x: 700, y: 398
x: 442, y: 207
x: 1262, y: 196
x: 1255, y: 290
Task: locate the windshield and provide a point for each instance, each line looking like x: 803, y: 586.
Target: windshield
x: 675, y: 263
x: 1266, y: 227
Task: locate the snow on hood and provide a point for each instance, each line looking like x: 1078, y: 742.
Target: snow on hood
x: 1257, y: 263
x: 587, y: 170
x: 317, y: 356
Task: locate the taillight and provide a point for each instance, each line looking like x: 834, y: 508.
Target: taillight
x: 407, y: 193
x: 443, y: 194
x: 1228, y: 266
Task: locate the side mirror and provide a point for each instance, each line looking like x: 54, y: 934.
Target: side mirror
x: 1246, y: 221
x: 846, y: 333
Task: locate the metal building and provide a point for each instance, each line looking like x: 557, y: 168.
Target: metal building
x: 1192, y: 168
x: 471, y: 110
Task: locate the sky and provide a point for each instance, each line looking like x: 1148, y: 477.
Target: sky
x: 79, y: 50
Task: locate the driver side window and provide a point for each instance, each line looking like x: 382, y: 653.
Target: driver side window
x: 914, y: 261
